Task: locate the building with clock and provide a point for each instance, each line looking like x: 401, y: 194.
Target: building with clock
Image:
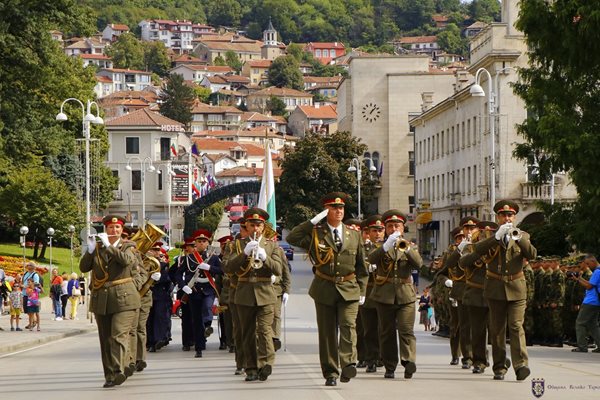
x: 375, y: 103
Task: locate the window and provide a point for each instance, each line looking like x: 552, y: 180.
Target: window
x: 375, y: 159
x: 325, y: 53
x: 160, y: 181
x: 411, y: 163
x: 136, y: 179
x: 466, y: 141
x: 165, y: 149
x: 332, y: 53
x: 318, y: 53
x: 469, y: 180
x: 132, y: 145
x: 411, y: 204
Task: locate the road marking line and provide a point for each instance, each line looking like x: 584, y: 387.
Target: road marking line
x: 316, y: 378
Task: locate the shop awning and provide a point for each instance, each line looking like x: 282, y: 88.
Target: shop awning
x: 423, y: 217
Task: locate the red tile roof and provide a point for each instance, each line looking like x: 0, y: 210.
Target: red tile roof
x: 418, y: 39
x: 143, y: 117
x: 94, y: 57
x: 322, y: 112
x: 103, y: 79
x: 202, y: 108
x: 119, y: 27
x: 132, y: 71
x: 281, y: 92
x: 326, y: 45
x: 260, y: 63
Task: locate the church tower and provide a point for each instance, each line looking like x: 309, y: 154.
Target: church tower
x: 270, y: 49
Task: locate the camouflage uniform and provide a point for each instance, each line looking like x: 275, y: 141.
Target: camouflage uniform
x: 555, y: 305
x: 529, y: 313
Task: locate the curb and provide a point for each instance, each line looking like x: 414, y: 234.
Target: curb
x: 46, y: 339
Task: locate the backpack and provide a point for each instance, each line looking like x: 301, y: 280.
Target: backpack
x: 41, y: 280
x: 56, y: 291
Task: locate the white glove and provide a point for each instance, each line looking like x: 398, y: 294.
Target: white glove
x: 273, y: 279
x: 261, y: 253
x: 104, y: 238
x: 250, y: 247
x: 186, y: 289
x: 284, y: 299
x: 391, y: 240
x: 449, y: 283
x: 204, y: 266
x: 216, y: 302
x: 91, y: 245
x: 372, y: 268
x: 319, y: 217
x: 361, y: 300
x: 503, y: 230
x: 463, y: 244
x: 155, y: 276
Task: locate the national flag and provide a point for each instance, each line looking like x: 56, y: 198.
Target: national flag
x: 173, y: 150
x: 380, y: 172
x: 266, y: 199
x: 195, y: 190
x: 194, y: 149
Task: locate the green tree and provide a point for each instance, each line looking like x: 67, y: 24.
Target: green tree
x: 485, y: 10
x: 202, y: 93
x: 295, y: 50
x: 451, y: 41
x: 276, y: 106
x: 127, y: 52
x: 316, y: 166
x: 233, y: 61
x: 219, y: 61
x: 224, y: 13
x: 550, y: 237
x: 285, y: 72
x: 411, y: 14
x: 177, y: 99
x: 156, y: 58
x: 559, y: 88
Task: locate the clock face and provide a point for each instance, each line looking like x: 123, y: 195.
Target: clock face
x: 370, y: 112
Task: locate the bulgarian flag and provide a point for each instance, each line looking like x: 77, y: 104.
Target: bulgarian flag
x: 266, y: 199
x: 173, y: 150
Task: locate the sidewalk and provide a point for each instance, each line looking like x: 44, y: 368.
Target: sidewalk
x: 50, y: 330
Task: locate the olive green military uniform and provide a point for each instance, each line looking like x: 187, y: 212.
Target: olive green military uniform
x: 224, y: 301
x: 506, y: 292
x: 539, y: 322
x: 235, y: 315
x: 255, y: 298
x: 556, y: 294
x: 477, y: 307
x: 394, y: 295
x: 114, y: 301
x: 137, y: 343
x: 368, y: 316
x: 528, y: 324
x: 451, y: 269
x: 283, y: 284
x: 340, y: 279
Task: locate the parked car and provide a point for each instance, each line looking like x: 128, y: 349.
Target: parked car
x: 288, y: 249
x: 176, y: 309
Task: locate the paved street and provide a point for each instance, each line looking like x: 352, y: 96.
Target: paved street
x: 72, y: 366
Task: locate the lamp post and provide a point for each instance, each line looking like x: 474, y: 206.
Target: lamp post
x: 150, y: 168
x: 50, y: 232
x: 24, y: 230
x: 170, y: 174
x: 71, y: 230
x: 356, y: 166
x: 87, y: 118
x: 477, y: 91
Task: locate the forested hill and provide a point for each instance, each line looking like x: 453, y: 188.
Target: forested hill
x: 354, y: 22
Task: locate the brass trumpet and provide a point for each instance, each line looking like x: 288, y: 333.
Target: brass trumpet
x: 402, y: 244
x: 516, y: 234
x: 255, y: 261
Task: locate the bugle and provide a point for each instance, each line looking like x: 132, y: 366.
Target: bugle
x: 516, y: 234
x: 255, y: 261
x: 402, y: 244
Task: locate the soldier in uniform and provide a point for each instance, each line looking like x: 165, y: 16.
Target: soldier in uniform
x: 505, y: 289
x: 368, y: 311
x: 528, y: 324
x: 394, y: 295
x: 338, y: 287
x: 180, y: 263
x: 539, y: 301
x: 556, y: 295
x: 196, y: 279
x: 475, y: 270
x: 356, y: 224
x: 225, y: 319
x: 114, y: 298
x: 159, y: 320
x: 238, y: 348
x: 282, y: 286
x: 255, y: 296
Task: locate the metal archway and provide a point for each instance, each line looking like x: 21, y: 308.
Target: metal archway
x: 224, y: 192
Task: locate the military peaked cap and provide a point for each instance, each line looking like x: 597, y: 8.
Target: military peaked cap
x: 506, y: 206
x: 113, y: 219
x: 256, y: 214
x: 393, y: 216
x: 469, y: 221
x: 335, y: 199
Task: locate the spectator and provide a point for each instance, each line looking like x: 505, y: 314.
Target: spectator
x: 82, y: 287
x: 3, y: 291
x: 33, y: 304
x: 587, y: 319
x: 64, y: 296
x: 56, y: 293
x: 29, y: 275
x: 15, y: 300
x: 74, y: 294
x: 424, y: 305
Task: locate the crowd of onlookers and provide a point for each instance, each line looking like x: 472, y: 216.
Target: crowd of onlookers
x: 21, y: 296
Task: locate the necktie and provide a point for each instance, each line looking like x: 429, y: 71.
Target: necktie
x: 337, y: 240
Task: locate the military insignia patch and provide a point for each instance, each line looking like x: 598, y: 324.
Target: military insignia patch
x: 537, y: 387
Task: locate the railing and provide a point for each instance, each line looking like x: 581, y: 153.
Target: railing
x: 532, y: 191
x: 222, y: 122
x: 117, y: 195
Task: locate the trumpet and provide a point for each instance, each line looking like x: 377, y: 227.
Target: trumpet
x: 96, y: 236
x: 402, y: 244
x: 255, y: 261
x: 516, y: 234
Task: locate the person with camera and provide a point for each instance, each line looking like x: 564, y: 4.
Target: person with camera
x: 587, y: 319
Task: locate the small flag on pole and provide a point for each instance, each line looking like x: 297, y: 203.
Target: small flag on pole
x: 380, y: 172
x: 194, y: 149
x: 173, y: 150
x: 266, y: 199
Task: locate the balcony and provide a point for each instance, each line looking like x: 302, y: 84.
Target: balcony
x: 223, y: 122
x: 118, y: 195
x: 532, y: 192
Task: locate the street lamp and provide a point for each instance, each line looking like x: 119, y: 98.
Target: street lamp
x: 170, y: 174
x: 477, y: 91
x: 24, y: 230
x: 71, y: 230
x: 87, y: 118
x: 50, y: 232
x: 150, y: 168
x: 356, y: 166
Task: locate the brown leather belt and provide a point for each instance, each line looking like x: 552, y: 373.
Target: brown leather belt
x: 335, y: 279
x: 117, y: 282
x: 505, y: 278
x: 254, y: 279
x: 394, y: 280
x: 475, y: 285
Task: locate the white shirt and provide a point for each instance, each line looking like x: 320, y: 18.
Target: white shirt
x: 339, y: 230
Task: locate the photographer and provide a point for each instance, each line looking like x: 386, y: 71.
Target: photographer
x: 587, y: 319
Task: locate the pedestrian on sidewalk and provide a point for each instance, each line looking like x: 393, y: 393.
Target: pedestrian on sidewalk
x: 55, y: 293
x: 424, y: 305
x: 587, y: 319
x: 74, y: 293
x: 64, y: 294
x: 33, y: 305
x: 15, y: 301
